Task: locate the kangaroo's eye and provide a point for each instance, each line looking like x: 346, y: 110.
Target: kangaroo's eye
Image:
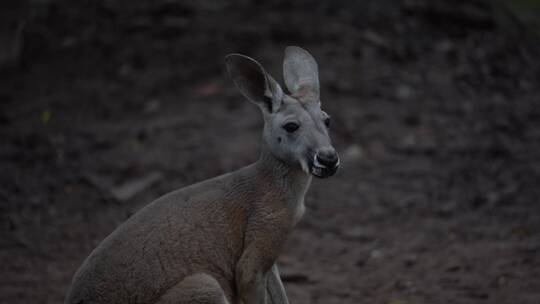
x: 291, y: 127
x: 327, y: 122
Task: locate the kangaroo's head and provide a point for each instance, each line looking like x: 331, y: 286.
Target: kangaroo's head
x: 295, y: 127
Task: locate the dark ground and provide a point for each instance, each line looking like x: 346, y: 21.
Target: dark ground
x: 436, y: 115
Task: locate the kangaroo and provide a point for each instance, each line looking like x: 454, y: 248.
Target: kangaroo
x: 217, y: 241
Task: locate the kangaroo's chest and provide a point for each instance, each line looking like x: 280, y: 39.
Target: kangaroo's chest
x: 298, y: 212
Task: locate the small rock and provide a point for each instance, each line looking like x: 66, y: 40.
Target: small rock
x: 152, y: 106
x: 376, y: 254
x: 404, y: 92
x: 126, y: 71
x: 376, y: 39
x: 409, y: 141
x: 357, y: 233
x: 444, y: 46
x: 131, y: 188
x: 353, y: 153
x: 446, y: 209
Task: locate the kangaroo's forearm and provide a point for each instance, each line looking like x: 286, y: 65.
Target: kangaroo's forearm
x: 264, y: 237
x: 250, y: 277
x: 274, y: 287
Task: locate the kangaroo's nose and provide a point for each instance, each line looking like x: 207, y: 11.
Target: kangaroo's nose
x: 328, y: 157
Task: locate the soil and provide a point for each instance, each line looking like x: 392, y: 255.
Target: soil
x: 435, y: 112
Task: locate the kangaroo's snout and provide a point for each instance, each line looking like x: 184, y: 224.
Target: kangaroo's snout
x: 327, y: 157
x: 325, y: 162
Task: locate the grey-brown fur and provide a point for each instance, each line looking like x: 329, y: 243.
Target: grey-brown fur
x: 216, y: 241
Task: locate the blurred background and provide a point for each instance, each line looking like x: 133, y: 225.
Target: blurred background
x: 106, y: 105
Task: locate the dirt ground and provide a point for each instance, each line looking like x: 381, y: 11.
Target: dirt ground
x: 436, y: 115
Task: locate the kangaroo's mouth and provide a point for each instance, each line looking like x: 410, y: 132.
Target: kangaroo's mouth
x: 321, y: 171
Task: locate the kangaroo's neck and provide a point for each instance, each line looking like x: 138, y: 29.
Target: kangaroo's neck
x: 291, y: 182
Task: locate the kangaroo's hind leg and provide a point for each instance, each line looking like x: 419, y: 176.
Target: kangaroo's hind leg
x: 197, y: 289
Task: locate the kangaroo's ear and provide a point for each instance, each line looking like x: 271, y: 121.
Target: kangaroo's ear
x: 300, y: 72
x: 254, y: 83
